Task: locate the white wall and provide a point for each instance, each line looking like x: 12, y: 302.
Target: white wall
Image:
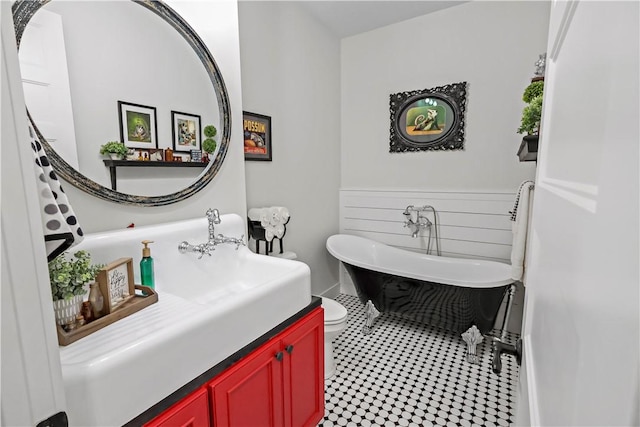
x: 227, y: 190
x: 492, y: 46
x: 291, y: 72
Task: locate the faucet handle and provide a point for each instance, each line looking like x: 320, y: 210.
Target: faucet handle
x: 240, y: 242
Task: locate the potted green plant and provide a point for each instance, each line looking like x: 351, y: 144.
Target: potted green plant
x: 530, y: 123
x: 209, y: 144
x: 69, y: 279
x: 115, y: 149
x: 531, y: 114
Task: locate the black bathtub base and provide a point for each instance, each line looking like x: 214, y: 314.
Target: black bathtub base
x: 454, y: 308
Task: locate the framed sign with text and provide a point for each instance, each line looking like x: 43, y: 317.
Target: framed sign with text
x: 257, y: 136
x: 116, y: 283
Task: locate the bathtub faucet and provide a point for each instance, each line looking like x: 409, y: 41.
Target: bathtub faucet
x: 213, y: 215
x: 420, y: 222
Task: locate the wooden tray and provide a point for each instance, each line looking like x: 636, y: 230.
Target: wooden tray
x: 136, y: 303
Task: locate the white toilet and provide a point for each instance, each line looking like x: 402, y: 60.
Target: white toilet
x: 335, y: 321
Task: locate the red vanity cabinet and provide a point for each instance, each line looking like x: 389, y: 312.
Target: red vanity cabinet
x: 192, y: 411
x: 280, y: 384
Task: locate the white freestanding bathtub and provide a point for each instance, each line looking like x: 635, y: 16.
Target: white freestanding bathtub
x: 451, y: 293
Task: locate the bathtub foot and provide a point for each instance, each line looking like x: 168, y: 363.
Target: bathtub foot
x: 472, y: 337
x: 371, y: 312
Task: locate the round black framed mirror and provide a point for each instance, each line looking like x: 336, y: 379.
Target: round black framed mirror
x: 188, y: 180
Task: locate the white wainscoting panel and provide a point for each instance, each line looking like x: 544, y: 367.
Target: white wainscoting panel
x: 470, y: 224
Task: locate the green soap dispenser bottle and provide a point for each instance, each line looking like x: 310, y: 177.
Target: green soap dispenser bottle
x: 146, y: 265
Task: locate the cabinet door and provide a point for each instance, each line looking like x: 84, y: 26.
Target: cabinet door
x: 304, y: 371
x: 249, y: 394
x: 192, y: 411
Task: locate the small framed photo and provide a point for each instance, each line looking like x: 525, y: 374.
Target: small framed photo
x: 257, y: 136
x: 196, y: 155
x: 156, y: 154
x: 116, y: 283
x: 138, y: 125
x: 186, y: 132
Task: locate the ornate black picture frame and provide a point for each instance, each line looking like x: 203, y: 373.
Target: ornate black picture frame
x: 428, y: 119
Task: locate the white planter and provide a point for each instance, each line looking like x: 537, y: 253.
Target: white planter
x: 115, y: 156
x: 66, y: 310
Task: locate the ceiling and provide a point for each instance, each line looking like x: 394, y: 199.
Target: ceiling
x: 349, y: 17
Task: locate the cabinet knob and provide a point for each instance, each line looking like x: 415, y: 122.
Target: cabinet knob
x: 279, y: 356
x: 289, y: 348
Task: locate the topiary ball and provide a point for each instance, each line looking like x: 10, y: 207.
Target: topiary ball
x: 210, y: 131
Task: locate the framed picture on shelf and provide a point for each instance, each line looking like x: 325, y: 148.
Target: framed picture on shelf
x: 186, y: 132
x: 138, y: 125
x: 257, y: 136
x: 116, y: 283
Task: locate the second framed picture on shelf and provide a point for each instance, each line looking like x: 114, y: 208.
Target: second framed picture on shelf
x: 186, y: 131
x: 138, y: 125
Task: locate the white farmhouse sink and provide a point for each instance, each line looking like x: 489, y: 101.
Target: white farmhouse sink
x: 208, y: 309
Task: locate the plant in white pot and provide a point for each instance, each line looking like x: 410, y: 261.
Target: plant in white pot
x: 69, y: 279
x: 114, y: 149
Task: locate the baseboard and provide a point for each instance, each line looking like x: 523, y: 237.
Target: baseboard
x: 331, y: 292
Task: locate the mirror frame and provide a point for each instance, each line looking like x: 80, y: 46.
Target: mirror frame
x: 23, y: 11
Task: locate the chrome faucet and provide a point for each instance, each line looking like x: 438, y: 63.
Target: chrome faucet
x: 213, y: 215
x: 420, y: 222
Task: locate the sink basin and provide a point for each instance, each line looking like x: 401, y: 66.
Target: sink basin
x: 208, y: 309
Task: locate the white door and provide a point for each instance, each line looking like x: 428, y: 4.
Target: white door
x: 45, y: 78
x: 581, y: 326
x: 31, y: 381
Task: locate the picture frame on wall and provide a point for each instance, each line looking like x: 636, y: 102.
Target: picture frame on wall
x: 428, y: 119
x: 257, y: 136
x: 138, y: 125
x: 186, y: 132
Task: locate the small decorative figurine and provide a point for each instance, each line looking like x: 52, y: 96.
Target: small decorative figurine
x: 540, y: 65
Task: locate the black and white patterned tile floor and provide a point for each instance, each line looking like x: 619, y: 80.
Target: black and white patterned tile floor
x: 408, y: 374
